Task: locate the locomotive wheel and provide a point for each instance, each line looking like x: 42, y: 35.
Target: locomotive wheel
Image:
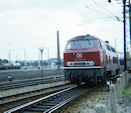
x: 78, y: 83
x: 90, y: 83
x: 95, y: 82
x: 79, y: 80
x: 73, y: 80
x: 95, y: 79
x: 106, y: 77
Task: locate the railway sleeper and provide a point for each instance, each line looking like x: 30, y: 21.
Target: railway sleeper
x: 55, y: 101
x: 36, y: 109
x: 61, y: 99
x: 42, y: 106
x: 47, y: 104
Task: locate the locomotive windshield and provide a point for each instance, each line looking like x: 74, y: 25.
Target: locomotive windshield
x: 73, y: 45
x: 87, y: 44
x: 83, y: 44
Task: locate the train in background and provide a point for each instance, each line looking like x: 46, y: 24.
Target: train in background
x: 89, y: 59
x: 7, y: 66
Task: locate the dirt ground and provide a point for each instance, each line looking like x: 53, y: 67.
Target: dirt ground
x: 126, y: 101
x: 126, y: 104
x: 87, y: 103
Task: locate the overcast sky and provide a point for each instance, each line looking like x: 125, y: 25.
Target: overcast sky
x: 31, y: 24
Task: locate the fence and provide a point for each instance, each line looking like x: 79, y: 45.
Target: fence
x: 114, y: 96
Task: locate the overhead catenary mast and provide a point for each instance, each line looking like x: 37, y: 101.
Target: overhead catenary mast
x: 130, y: 20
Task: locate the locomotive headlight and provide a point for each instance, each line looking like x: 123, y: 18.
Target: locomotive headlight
x: 69, y: 63
x: 91, y: 63
x: 79, y: 55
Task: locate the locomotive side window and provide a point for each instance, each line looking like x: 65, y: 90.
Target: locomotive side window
x: 115, y: 60
x: 103, y: 45
x: 100, y: 45
x: 87, y: 44
x: 113, y: 50
x: 73, y: 45
x: 108, y: 48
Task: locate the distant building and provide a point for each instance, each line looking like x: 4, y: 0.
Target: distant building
x: 53, y: 62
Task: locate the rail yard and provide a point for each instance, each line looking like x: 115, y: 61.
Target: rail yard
x: 51, y: 94
x: 65, y: 56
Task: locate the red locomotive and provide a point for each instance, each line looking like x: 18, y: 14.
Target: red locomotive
x: 89, y: 59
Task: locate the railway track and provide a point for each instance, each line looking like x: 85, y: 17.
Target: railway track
x: 17, y: 84
x: 50, y: 102
x: 46, y: 103
x: 16, y: 100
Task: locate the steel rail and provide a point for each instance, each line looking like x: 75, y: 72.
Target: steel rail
x: 34, y: 93
x: 64, y: 102
x: 21, y: 81
x: 38, y: 101
x: 30, y: 83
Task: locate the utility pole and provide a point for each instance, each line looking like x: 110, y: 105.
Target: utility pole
x: 58, y: 51
x: 115, y: 44
x: 124, y: 30
x: 38, y: 58
x: 124, y: 25
x: 48, y: 58
x: 24, y: 58
x: 130, y: 20
x: 9, y: 56
x: 41, y: 50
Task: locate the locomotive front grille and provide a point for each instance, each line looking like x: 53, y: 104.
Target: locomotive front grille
x: 80, y: 63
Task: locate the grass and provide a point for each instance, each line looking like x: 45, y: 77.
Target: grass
x: 127, y: 92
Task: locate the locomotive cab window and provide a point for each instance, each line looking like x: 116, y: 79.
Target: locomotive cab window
x: 87, y: 44
x: 83, y: 44
x: 72, y: 45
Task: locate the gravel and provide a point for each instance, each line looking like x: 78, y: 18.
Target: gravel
x: 86, y: 103
x: 126, y: 104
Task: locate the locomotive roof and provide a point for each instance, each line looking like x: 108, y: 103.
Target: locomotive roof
x: 85, y: 37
